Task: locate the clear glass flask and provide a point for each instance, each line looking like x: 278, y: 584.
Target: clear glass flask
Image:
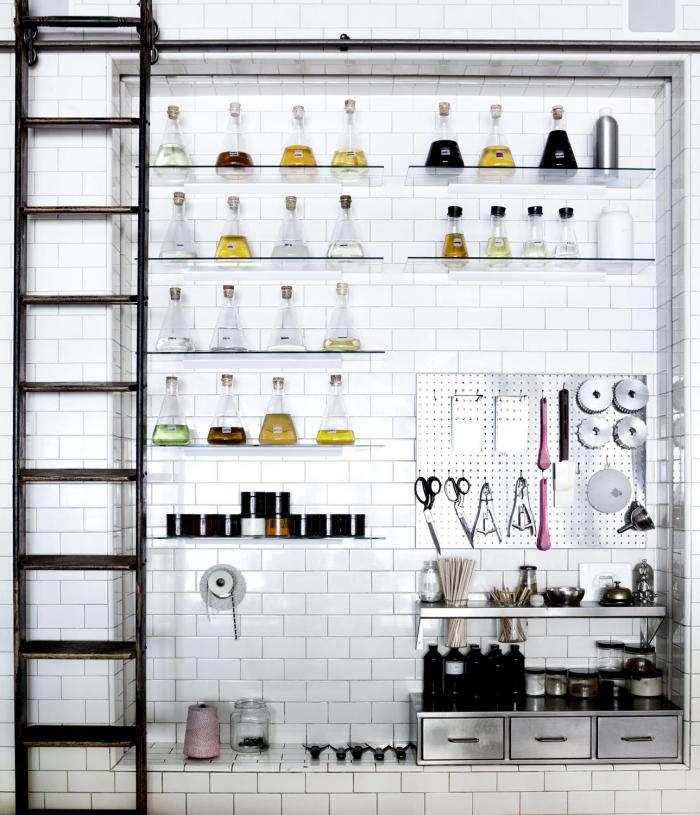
x: 496, y: 153
x: 297, y: 153
x: 287, y: 335
x: 349, y: 154
x: 567, y: 246
x: 558, y: 152
x: 341, y: 334
x: 535, y: 246
x: 233, y: 243
x: 171, y: 427
x: 228, y: 333
x: 233, y: 160
x: 345, y: 242
x: 277, y: 426
x: 174, y: 335
x: 172, y: 162
x: 454, y: 245
x: 444, y: 150
x: 226, y: 425
x: 498, y: 245
x: 335, y: 426
x: 291, y: 243
x: 177, y: 242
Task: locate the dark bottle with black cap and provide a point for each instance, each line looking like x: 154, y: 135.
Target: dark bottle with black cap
x: 535, y: 246
x: 515, y: 672
x: 558, y: 153
x: 432, y: 674
x: 453, y: 675
x: 567, y: 246
x: 454, y: 245
x: 498, y: 245
x: 474, y: 673
x: 495, y: 674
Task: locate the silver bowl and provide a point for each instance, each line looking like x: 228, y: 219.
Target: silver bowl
x: 564, y: 596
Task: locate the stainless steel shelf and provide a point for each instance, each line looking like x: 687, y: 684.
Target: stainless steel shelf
x: 485, y: 611
x: 624, y: 177
x: 227, y: 270
x: 205, y: 177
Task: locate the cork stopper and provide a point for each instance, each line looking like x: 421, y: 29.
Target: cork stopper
x: 496, y: 111
x: 178, y: 198
x: 235, y: 108
x: 290, y: 202
x: 349, y: 105
x: 278, y: 383
x: 557, y: 112
x: 226, y: 379
x: 175, y: 293
x: 342, y: 288
x: 173, y: 111
x: 345, y: 201
x: 171, y: 381
x: 228, y: 291
x: 298, y: 112
x: 233, y: 201
x: 286, y: 292
x: 336, y: 379
x: 444, y: 108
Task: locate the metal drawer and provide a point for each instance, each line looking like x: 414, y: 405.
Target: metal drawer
x: 542, y: 737
x: 638, y: 737
x: 463, y: 739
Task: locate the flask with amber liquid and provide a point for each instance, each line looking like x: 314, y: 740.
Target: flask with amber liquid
x: 335, y: 426
x: 226, y: 426
x: 297, y: 153
x: 232, y: 160
x: 277, y: 426
x: 454, y: 245
x: 496, y: 153
x: 233, y: 243
x: 349, y: 154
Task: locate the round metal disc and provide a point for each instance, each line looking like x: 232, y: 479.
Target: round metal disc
x: 594, y: 395
x: 219, y: 583
x: 594, y: 432
x: 630, y: 432
x: 609, y: 491
x: 630, y: 395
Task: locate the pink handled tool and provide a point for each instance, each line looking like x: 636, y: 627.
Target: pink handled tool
x: 543, y: 542
x: 543, y: 460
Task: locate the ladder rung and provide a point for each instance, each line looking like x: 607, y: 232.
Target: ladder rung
x: 81, y: 210
x: 74, y: 735
x: 80, y: 121
x: 78, y: 474
x: 81, y: 21
x: 78, y: 387
x: 77, y: 649
x: 79, y: 299
x: 78, y: 563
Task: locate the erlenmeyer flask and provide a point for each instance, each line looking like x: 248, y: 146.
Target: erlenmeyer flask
x: 349, y: 154
x: 297, y: 153
x: 228, y: 334
x: 233, y: 243
x: 291, y: 242
x: 232, y: 161
x: 567, y: 247
x: 226, y: 426
x: 277, y: 426
x: 558, y: 152
x: 454, y: 245
x: 534, y: 246
x: 174, y: 335
x: 495, y: 152
x: 345, y: 242
x: 171, y: 427
x: 172, y: 162
x: 177, y: 242
x: 335, y: 426
x: 286, y: 335
x: 498, y: 245
x: 341, y: 334
x: 444, y: 151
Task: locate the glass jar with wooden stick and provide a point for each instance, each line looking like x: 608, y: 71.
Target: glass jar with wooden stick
x: 456, y: 573
x: 510, y: 629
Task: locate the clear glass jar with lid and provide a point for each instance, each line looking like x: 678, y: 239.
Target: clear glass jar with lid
x: 609, y: 654
x: 640, y: 658
x: 528, y: 578
x: 429, y: 583
x: 555, y: 681
x: 250, y: 726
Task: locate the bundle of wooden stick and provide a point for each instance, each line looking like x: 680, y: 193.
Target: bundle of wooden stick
x: 456, y: 574
x: 510, y: 629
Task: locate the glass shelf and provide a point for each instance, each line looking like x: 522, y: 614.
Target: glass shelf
x: 624, y: 177
x: 520, y: 269
x: 215, y: 270
x: 215, y: 542
x: 302, y: 448
x: 204, y: 177
x: 331, y: 360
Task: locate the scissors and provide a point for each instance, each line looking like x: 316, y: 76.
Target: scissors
x: 426, y: 491
x: 455, y: 490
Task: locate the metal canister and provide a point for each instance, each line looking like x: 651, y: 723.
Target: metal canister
x: 605, y: 151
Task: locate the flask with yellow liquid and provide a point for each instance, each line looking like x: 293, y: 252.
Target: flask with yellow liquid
x: 496, y: 153
x: 335, y: 426
x: 233, y: 243
x: 297, y: 153
x: 454, y: 245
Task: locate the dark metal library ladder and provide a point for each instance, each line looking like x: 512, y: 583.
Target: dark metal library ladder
x: 26, y: 736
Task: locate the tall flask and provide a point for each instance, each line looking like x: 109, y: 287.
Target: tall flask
x: 233, y: 243
x: 174, y: 336
x: 232, y: 160
x: 228, y: 334
x: 345, y: 242
x: 498, y: 245
x: 335, y: 426
x: 535, y: 246
x: 454, y: 245
x: 277, y: 426
x: 567, y: 247
x: 605, y: 150
x: 226, y: 425
x: 291, y: 243
x: 444, y: 150
x: 341, y: 334
x: 496, y: 153
x: 171, y: 428
x: 349, y: 155
x: 558, y: 152
x: 172, y: 162
x: 287, y: 335
x: 298, y: 153
x: 177, y: 242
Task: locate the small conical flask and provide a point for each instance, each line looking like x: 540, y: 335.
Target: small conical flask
x: 341, y: 334
x: 226, y: 426
x: 444, y: 151
x: 558, y: 152
x: 498, y: 245
x: 454, y: 245
x: 177, y: 242
x: 171, y: 427
x: 335, y: 426
x: 567, y: 247
x: 232, y: 160
x: 297, y: 153
x: 174, y: 335
x: 286, y: 335
x: 535, y: 246
x: 172, y: 162
x: 345, y: 242
x: 291, y: 243
x: 233, y: 243
x: 496, y: 153
x: 277, y: 426
x: 228, y: 334
x: 349, y: 154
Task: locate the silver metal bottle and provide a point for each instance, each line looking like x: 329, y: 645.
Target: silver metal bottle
x: 605, y: 155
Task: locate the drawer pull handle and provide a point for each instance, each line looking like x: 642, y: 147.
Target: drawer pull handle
x: 462, y: 741
x: 637, y: 738
x: 550, y: 739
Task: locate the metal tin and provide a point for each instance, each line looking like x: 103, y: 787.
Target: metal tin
x: 605, y: 147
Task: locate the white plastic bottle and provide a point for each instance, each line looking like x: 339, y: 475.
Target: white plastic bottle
x: 615, y: 232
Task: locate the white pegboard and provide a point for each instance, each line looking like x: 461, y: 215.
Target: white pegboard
x: 469, y: 400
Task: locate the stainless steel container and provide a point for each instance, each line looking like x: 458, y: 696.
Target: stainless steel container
x: 605, y: 151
